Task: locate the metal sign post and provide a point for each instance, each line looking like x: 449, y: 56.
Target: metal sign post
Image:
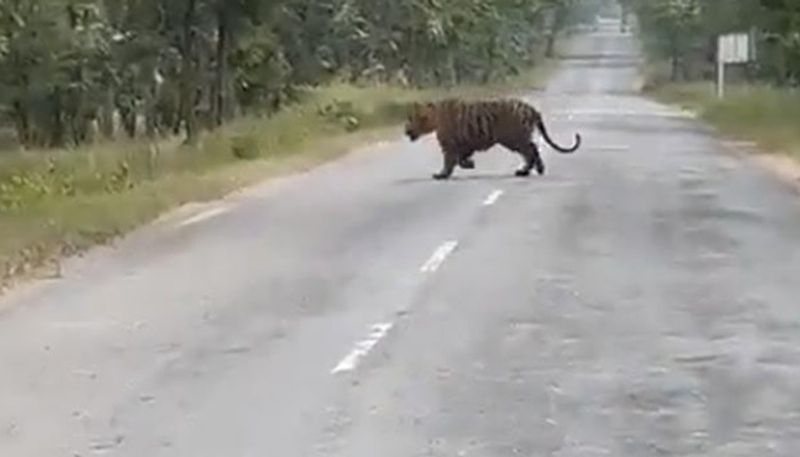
x: 720, y: 70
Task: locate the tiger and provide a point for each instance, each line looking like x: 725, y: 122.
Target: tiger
x: 466, y: 127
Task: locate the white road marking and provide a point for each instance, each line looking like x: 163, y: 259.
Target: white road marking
x: 611, y: 148
x: 493, y: 197
x: 681, y: 114
x: 203, y: 216
x: 438, y: 257
x: 362, y: 348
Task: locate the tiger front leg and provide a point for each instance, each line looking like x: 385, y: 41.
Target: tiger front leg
x: 450, y: 161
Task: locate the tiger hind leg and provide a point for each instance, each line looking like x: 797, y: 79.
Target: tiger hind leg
x: 466, y: 162
x: 530, y: 154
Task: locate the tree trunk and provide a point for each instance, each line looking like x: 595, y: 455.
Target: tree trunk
x: 623, y: 24
x: 674, y: 59
x: 128, y: 117
x: 22, y: 114
x: 220, y: 110
x: 57, y: 128
x: 107, y: 114
x: 189, y: 73
x: 452, y: 69
x: 674, y: 69
x: 23, y: 123
x: 559, y: 19
x: 150, y: 119
x: 550, y: 49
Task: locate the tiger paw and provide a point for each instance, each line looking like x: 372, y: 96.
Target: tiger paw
x: 440, y: 176
x: 467, y: 164
x: 522, y: 173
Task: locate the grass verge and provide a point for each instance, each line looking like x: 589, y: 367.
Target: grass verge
x: 766, y: 115
x: 61, y: 202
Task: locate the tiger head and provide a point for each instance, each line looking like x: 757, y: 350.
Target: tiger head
x: 421, y: 120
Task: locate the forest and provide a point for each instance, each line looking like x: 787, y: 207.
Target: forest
x: 684, y: 33
x: 74, y: 71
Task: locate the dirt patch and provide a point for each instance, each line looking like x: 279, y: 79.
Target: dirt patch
x: 783, y: 166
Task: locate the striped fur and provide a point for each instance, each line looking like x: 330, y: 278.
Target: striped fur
x: 464, y: 128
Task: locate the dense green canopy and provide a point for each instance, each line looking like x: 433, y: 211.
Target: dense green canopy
x: 683, y: 29
x: 163, y: 66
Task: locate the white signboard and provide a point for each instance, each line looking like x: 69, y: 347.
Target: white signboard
x: 731, y: 49
x: 734, y: 48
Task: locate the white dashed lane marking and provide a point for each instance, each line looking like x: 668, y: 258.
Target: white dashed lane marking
x: 379, y: 331
x: 438, y: 257
x: 678, y: 114
x: 610, y: 148
x: 363, y: 348
x: 493, y: 197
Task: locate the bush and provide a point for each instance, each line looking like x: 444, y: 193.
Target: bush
x: 342, y: 113
x: 245, y: 147
x: 767, y: 115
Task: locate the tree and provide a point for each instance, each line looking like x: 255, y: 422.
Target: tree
x: 675, y: 29
x: 70, y: 67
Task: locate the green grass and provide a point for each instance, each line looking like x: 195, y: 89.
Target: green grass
x: 60, y: 202
x: 767, y: 115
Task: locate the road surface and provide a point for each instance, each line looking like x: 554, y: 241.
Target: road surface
x: 642, y: 299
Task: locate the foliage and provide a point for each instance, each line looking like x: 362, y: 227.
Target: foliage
x: 764, y: 114
x: 684, y: 32
x: 75, y: 70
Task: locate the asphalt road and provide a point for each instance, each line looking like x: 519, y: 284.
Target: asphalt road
x: 639, y: 300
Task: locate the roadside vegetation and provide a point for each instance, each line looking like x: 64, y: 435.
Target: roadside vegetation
x: 115, y: 111
x: 768, y: 115
x: 762, y: 101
